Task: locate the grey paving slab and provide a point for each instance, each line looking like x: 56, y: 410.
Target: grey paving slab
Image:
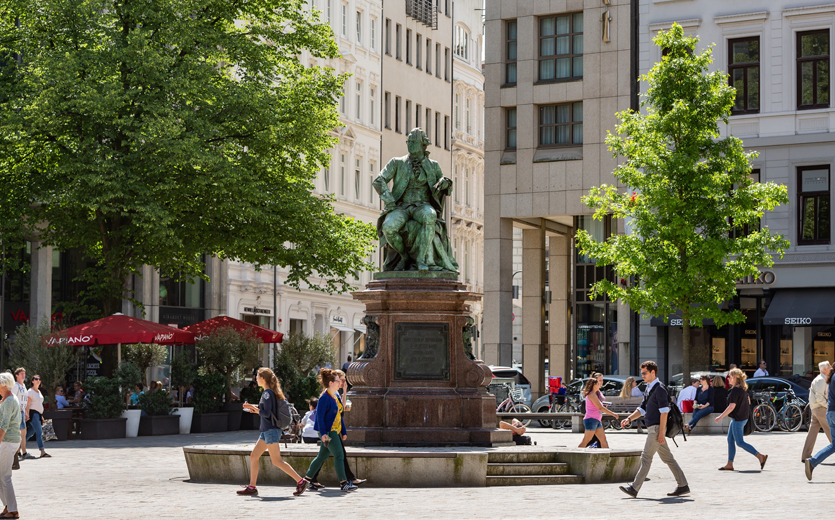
x: 147, y: 478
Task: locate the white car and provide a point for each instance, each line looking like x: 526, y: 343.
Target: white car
x: 514, y: 377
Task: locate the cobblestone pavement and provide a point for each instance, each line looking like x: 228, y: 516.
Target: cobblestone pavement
x: 146, y: 478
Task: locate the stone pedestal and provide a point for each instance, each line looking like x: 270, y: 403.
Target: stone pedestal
x: 417, y: 384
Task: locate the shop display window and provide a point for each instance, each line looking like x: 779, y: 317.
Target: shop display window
x: 718, y: 354
x: 823, y: 348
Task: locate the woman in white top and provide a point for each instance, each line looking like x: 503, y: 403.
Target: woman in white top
x: 309, y: 434
x: 34, y: 409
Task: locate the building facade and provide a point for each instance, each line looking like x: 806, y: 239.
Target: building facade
x: 778, y: 56
x: 467, y: 205
x: 556, y: 74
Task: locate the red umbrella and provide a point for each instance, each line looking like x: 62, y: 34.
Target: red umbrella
x: 206, y: 327
x: 118, y: 329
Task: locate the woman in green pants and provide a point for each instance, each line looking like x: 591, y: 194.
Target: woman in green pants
x: 329, y: 425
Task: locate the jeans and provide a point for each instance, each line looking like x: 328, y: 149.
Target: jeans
x: 828, y: 450
x: 37, y: 430
x: 700, y: 414
x: 736, y: 438
x: 592, y: 424
x: 335, y: 449
x: 271, y: 436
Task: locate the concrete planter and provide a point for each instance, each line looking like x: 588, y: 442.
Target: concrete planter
x: 132, y: 428
x: 159, y: 425
x: 233, y: 419
x: 209, y: 422
x: 186, y: 415
x: 97, y: 429
x: 61, y: 422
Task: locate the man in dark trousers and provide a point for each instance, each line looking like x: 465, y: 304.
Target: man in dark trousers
x: 654, y: 408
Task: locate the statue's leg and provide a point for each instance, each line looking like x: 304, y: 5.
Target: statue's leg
x: 392, y: 225
x: 425, y: 215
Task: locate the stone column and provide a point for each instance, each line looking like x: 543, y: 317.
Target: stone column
x: 533, y: 308
x: 498, y: 289
x: 40, y: 292
x: 559, y: 266
x: 146, y: 290
x: 216, y: 290
x: 624, y: 360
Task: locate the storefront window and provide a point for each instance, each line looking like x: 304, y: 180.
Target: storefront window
x: 718, y: 354
x: 591, y: 339
x: 823, y: 347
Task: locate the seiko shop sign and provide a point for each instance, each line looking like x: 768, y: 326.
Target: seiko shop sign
x: 764, y: 278
x: 338, y: 320
x: 798, y: 321
x: 256, y: 310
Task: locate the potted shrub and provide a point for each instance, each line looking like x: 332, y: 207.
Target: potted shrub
x: 182, y: 375
x: 251, y: 395
x: 104, y: 405
x: 145, y: 356
x: 226, y: 351
x: 52, y: 363
x: 208, y: 401
x: 129, y: 375
x: 294, y: 363
x: 158, y: 421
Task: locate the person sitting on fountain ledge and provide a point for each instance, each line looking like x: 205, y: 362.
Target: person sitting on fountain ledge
x: 411, y: 228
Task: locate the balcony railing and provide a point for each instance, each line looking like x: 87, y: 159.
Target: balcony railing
x: 423, y: 11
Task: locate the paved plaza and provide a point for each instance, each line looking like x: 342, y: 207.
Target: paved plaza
x: 147, y: 478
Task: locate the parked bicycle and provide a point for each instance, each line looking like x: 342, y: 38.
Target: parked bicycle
x: 514, y: 403
x: 784, y: 411
x: 570, y: 405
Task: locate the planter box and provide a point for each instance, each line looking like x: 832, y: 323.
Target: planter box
x: 209, y: 422
x: 250, y: 421
x: 97, y: 429
x: 235, y: 411
x: 159, y: 425
x: 186, y: 415
x: 61, y: 422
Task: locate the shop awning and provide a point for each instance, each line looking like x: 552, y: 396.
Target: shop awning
x: 341, y: 328
x: 674, y: 321
x: 802, y: 307
x: 360, y: 329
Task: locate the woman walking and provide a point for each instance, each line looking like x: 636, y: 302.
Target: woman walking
x: 270, y: 435
x: 34, y: 409
x: 704, y: 405
x: 9, y: 442
x: 593, y: 421
x: 820, y: 456
x: 329, y: 425
x: 739, y: 409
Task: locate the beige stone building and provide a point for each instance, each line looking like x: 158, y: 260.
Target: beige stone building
x: 556, y: 74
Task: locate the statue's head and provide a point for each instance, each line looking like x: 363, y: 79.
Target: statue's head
x: 417, y: 141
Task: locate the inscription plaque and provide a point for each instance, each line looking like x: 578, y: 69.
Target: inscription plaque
x: 421, y: 351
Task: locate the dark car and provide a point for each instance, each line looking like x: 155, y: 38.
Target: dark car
x: 779, y: 385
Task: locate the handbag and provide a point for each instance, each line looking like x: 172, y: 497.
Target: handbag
x: 748, y: 429
x: 48, y: 431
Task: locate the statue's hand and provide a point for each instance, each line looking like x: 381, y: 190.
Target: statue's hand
x: 444, y: 184
x: 390, y: 206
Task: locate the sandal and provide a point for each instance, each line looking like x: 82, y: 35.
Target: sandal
x: 45, y: 456
x: 11, y: 514
x: 723, y: 468
x: 762, y: 464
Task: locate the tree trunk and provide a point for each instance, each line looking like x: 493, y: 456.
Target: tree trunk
x: 109, y: 361
x: 685, y: 345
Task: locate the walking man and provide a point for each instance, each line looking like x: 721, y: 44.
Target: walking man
x: 818, y: 404
x: 654, y: 408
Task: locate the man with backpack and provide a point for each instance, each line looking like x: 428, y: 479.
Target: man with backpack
x: 655, y: 408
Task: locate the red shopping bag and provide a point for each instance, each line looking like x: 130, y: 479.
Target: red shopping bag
x: 687, y: 406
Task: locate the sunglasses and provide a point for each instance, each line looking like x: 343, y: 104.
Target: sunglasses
x: 36, y: 379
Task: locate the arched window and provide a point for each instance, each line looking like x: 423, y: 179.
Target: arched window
x: 462, y: 42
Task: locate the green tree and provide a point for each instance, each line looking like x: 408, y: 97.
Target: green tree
x: 152, y: 133
x: 225, y: 351
x: 295, y: 361
x: 51, y: 363
x: 692, y: 191
x: 145, y: 356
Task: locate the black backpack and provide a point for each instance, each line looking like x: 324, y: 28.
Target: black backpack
x: 675, y: 419
x: 281, y: 417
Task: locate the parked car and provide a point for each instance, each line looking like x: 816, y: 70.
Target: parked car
x: 800, y: 385
x: 675, y: 381
x: 612, y: 385
x: 514, y: 377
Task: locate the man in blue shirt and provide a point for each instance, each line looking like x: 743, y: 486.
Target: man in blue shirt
x: 654, y: 408
x: 61, y: 401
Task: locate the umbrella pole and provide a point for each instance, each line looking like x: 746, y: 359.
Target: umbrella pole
x: 118, y: 354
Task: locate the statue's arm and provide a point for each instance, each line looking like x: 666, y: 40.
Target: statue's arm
x: 381, y: 182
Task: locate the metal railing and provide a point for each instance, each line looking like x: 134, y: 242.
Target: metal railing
x: 423, y: 11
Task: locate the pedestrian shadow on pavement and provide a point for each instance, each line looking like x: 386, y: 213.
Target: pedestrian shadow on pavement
x: 273, y: 499
x: 667, y: 500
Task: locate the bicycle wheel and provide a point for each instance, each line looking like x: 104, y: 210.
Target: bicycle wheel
x: 522, y: 408
x: 764, y: 418
x: 566, y: 407
x: 807, y: 416
x: 792, y: 417
x: 545, y: 423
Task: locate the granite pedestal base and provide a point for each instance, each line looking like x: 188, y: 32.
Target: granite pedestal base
x: 417, y: 383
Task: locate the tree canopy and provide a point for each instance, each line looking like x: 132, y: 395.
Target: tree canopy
x: 689, y: 197
x: 155, y: 132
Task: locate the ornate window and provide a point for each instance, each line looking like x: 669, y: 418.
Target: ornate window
x: 813, y: 69
x: 744, y: 74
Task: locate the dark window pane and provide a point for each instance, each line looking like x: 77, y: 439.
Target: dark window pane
x: 578, y: 23
x: 807, y: 217
x: 546, y: 135
x: 577, y: 41
x: 578, y: 134
x: 578, y: 66
x: 564, y: 68
x: 511, y: 50
x: 562, y: 25
x: 814, y: 45
x: 754, y: 88
x: 511, y: 138
x: 823, y: 219
x: 511, y: 118
x: 562, y: 134
x: 546, y: 27
x: 738, y: 79
x: 511, y: 73
x: 577, y: 109
x: 823, y: 82
x: 807, y: 83
x: 546, y: 115
x: 580, y: 274
x: 563, y: 45
x: 563, y: 114
x: 546, y: 69
x: 546, y: 47
x: 511, y: 30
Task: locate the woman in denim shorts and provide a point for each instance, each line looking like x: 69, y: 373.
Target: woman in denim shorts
x: 593, y: 421
x: 270, y: 435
